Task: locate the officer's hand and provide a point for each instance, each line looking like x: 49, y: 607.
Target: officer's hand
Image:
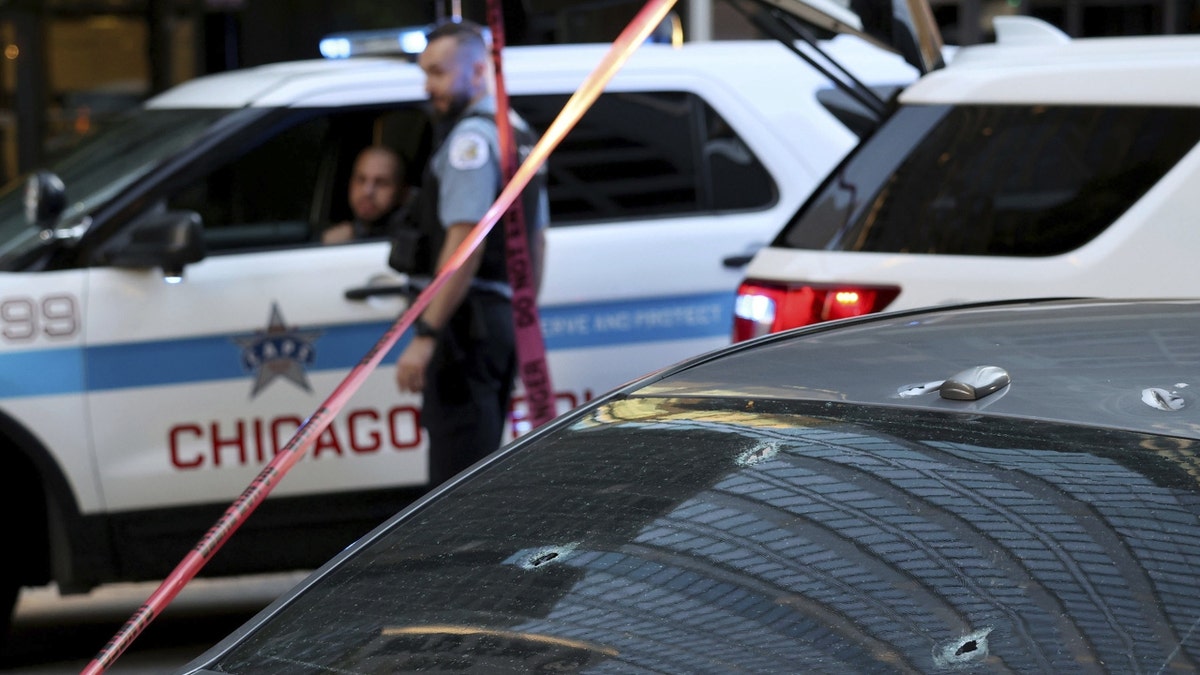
x: 413, y: 363
x: 338, y: 234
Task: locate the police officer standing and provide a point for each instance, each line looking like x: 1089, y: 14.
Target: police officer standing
x: 463, y: 354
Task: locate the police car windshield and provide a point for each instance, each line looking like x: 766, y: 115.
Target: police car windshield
x: 100, y: 167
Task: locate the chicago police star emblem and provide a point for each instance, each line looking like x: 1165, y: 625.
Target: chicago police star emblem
x: 278, y: 351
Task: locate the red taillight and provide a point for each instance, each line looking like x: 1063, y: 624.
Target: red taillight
x: 769, y: 308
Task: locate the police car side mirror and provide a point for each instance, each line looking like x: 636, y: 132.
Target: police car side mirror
x: 45, y: 199
x: 169, y: 240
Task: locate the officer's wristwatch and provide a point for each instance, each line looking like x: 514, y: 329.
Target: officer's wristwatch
x: 423, y: 329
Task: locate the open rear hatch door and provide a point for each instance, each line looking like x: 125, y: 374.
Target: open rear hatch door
x: 906, y: 27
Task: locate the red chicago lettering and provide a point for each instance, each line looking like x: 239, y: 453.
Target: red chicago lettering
x: 256, y: 441
x: 359, y: 432
x: 282, y: 430
x: 327, y: 441
x: 404, y: 427
x: 235, y: 441
x: 174, y: 442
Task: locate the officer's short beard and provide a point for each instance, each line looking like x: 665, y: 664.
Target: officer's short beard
x: 458, y: 105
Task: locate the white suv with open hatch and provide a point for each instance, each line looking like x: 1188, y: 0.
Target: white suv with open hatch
x: 1037, y: 166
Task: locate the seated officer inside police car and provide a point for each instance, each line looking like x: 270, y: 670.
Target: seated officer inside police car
x: 378, y: 196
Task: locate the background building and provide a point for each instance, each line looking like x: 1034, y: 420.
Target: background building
x: 67, y: 65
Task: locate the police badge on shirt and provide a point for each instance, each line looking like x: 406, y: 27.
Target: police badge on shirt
x: 468, y: 150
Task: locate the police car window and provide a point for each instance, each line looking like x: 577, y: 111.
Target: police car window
x: 288, y: 180
x: 637, y: 155
x: 994, y: 180
x: 105, y: 164
x: 264, y: 196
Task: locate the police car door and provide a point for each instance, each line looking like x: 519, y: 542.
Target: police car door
x: 200, y: 378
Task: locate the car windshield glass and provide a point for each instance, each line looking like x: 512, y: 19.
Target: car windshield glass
x: 706, y: 535
x: 993, y: 180
x: 101, y: 167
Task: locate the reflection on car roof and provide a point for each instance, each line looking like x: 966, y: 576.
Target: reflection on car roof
x: 1113, y: 363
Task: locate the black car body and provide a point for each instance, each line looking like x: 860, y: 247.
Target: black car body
x: 991, y: 488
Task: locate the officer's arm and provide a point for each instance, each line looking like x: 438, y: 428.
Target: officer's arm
x: 451, y: 294
x: 338, y: 234
x: 411, y: 366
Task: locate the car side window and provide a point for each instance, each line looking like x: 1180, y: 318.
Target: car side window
x: 631, y: 157
x: 263, y: 197
x: 647, y: 154
x: 286, y: 183
x: 994, y: 180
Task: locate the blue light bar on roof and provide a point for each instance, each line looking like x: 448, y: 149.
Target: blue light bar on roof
x: 390, y: 42
x: 406, y: 41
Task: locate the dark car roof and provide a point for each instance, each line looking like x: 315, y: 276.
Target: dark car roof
x: 699, y: 524
x: 1107, y: 363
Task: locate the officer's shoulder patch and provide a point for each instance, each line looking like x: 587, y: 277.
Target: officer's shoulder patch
x: 468, y: 150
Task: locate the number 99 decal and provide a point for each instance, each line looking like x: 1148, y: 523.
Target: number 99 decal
x: 24, y: 319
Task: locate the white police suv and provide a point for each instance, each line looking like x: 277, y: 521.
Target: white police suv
x: 169, y: 319
x: 1038, y: 166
